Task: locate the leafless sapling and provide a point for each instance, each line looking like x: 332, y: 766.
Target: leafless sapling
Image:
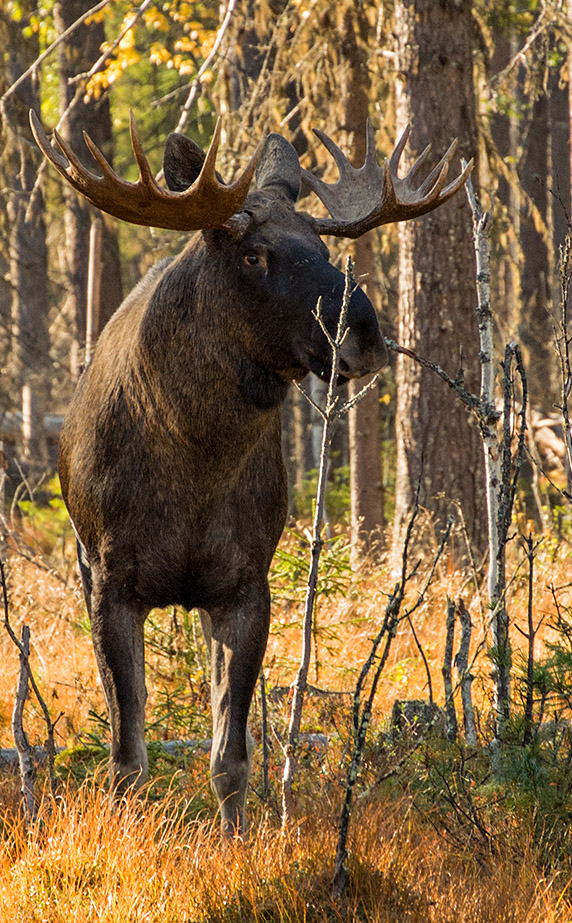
x: 334, y: 408
x: 374, y: 666
x: 26, y: 679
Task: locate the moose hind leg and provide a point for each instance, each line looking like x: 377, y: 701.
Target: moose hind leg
x: 117, y: 630
x: 238, y: 641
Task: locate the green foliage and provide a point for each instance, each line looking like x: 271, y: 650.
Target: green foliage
x: 509, y: 15
x: 337, y: 494
x: 45, y: 519
x: 290, y: 568
x: 178, y: 666
x: 90, y: 754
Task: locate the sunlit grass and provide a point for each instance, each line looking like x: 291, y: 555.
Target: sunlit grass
x: 84, y: 861
x: 162, y: 859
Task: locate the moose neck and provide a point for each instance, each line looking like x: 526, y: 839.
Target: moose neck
x: 190, y: 360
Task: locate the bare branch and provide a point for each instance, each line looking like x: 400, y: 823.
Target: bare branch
x: 465, y: 677
x: 330, y: 416
x: 26, y: 763
x: 446, y: 672
x: 193, y: 92
x: 61, y: 38
x: 563, y: 338
x: 24, y: 655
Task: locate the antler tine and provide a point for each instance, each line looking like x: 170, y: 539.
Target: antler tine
x: 55, y: 158
x: 419, y: 163
x: 453, y: 187
x: 349, y: 200
x: 93, y: 149
x: 343, y: 198
x: 398, y: 150
x: 208, y: 171
x: 75, y: 167
x: 208, y: 203
x: 340, y: 158
x: 145, y: 175
x: 437, y: 176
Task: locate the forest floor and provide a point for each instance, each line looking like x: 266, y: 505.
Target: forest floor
x: 433, y: 836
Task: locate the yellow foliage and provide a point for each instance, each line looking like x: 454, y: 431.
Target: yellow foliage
x: 184, y: 12
x: 127, y: 43
x: 155, y: 20
x: 186, y: 68
x: 124, y: 56
x: 158, y: 54
x: 186, y: 44
x: 97, y: 17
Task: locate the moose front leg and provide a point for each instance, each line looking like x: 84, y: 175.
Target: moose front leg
x: 238, y: 636
x: 117, y: 630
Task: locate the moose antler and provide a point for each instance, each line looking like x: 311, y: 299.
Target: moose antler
x: 349, y: 199
x: 208, y: 203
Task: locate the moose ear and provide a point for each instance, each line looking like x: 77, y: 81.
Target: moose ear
x: 279, y: 167
x: 182, y: 162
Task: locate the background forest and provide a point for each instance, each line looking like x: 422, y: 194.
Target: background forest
x: 463, y: 804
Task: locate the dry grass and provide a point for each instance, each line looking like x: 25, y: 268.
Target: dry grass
x: 162, y: 859
x: 149, y: 863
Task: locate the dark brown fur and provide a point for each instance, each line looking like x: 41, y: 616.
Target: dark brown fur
x: 171, y: 463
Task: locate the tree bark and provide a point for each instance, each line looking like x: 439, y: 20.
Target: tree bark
x: 75, y: 56
x: 535, y: 320
x: 560, y: 102
x: 366, y: 483
x: 438, y: 444
x: 27, y: 240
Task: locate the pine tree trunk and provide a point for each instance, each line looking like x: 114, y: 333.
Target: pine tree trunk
x: 560, y: 101
x: 438, y: 445
x: 27, y: 243
x: 76, y: 55
x: 535, y: 320
x: 366, y: 493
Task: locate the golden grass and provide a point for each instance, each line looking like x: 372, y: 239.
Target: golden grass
x: 154, y: 861
x: 145, y: 862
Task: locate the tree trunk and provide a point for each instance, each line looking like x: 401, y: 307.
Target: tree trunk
x: 366, y: 485
x: 27, y: 242
x: 76, y: 56
x: 535, y: 320
x: 560, y: 102
x: 438, y: 445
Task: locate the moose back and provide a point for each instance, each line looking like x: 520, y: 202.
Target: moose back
x: 170, y: 456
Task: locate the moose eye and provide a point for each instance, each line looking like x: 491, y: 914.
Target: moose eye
x: 251, y: 259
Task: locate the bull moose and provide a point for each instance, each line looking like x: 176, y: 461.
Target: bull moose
x: 170, y: 455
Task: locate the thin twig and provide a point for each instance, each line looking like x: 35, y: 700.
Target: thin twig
x: 31, y: 70
x: 362, y: 716
x: 82, y: 80
x: 204, y: 67
x: 330, y: 417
